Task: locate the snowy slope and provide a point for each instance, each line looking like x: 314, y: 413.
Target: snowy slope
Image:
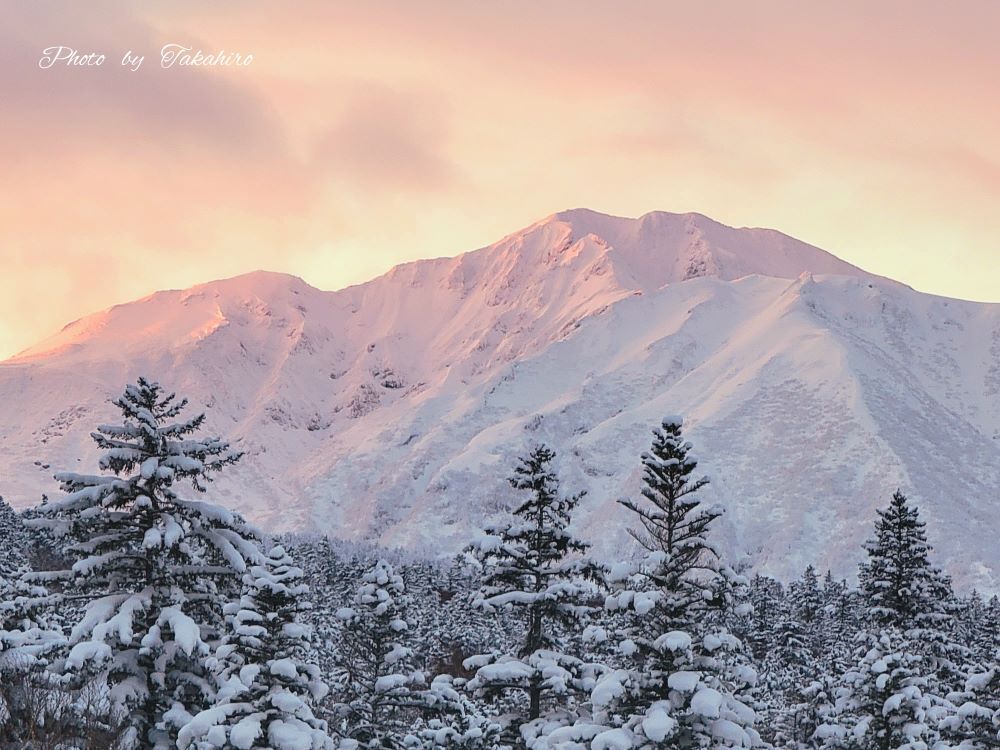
x: 393, y: 409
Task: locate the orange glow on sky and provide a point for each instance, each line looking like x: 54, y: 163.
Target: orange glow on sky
x: 366, y: 134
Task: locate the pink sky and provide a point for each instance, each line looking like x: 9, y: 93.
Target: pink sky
x: 366, y: 134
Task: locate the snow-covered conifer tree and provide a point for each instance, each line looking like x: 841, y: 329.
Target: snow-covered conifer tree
x: 267, y: 683
x: 676, y: 522
x: 906, y: 661
x: 802, y: 710
x: 971, y: 622
x: 988, y: 634
x: 902, y: 589
x: 975, y: 722
x: 14, y: 540
x: 790, y: 656
x: 30, y: 638
x: 380, y: 689
x: 690, y: 578
x: 839, y: 623
x: 806, y: 604
x: 766, y: 599
x: 535, y: 567
x: 683, y: 682
x: 451, y: 721
x: 898, y: 580
x: 156, y: 566
x: 27, y: 644
x: 884, y: 702
x: 24, y: 637
x: 798, y: 692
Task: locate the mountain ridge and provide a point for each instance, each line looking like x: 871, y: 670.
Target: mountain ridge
x: 393, y: 409
x: 580, y: 224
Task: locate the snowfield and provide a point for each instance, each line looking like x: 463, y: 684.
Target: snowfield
x: 394, y: 410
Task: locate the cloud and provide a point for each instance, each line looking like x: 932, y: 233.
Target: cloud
x: 172, y: 110
x: 390, y: 139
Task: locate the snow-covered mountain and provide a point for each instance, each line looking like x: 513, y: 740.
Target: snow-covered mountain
x: 394, y: 409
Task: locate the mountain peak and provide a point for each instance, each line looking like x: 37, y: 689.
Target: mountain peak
x: 170, y: 318
x: 661, y: 247
x: 581, y: 216
x: 259, y: 282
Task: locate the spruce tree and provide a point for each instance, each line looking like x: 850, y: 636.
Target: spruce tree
x: 452, y: 721
x: 805, y: 707
x: 975, y: 722
x: 27, y: 637
x: 14, y: 540
x: 903, y: 590
x: 766, y: 599
x: 898, y: 580
x: 675, y: 523
x: 886, y: 702
x: 989, y: 630
x: 430, y: 604
x: 536, y: 568
x: 380, y: 688
x: 155, y: 566
x: 839, y: 625
x: 800, y: 691
x: 267, y: 682
x: 790, y: 657
x: 806, y: 597
x: 29, y: 641
x: 683, y: 681
x: 971, y: 619
x: 906, y: 662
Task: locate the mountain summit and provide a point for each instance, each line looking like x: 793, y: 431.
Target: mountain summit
x: 660, y: 248
x: 393, y: 409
